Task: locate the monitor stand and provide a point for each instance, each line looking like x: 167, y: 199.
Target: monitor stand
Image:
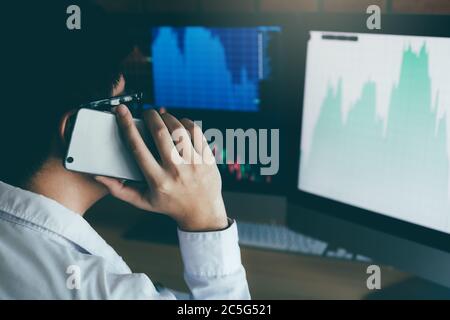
x: 257, y: 208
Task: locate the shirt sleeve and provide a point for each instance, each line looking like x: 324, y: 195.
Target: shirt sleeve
x: 212, y: 270
x: 212, y: 264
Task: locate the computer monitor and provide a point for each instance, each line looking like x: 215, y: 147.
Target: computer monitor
x: 373, y: 167
x: 225, y: 71
x: 208, y: 68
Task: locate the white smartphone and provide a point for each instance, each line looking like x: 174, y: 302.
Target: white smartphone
x: 96, y: 146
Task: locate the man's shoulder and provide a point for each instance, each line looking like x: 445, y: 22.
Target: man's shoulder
x: 37, y: 263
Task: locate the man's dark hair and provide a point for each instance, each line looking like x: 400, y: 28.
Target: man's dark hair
x: 49, y: 70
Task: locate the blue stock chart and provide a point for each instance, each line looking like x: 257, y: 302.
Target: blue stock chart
x: 210, y: 68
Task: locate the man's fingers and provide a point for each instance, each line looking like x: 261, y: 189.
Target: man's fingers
x: 161, y: 136
x: 180, y: 135
x: 123, y: 192
x: 146, y: 161
x: 198, y: 139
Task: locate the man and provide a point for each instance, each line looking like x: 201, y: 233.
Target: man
x: 43, y: 234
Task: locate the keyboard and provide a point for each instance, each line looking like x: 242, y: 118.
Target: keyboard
x: 280, y: 238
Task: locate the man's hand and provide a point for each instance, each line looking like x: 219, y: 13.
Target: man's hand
x: 185, y: 184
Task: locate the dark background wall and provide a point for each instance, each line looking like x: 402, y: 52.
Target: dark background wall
x: 254, y: 6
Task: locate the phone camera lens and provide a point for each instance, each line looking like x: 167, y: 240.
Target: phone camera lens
x: 69, y: 159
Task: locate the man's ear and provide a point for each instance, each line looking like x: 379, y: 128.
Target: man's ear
x: 64, y: 127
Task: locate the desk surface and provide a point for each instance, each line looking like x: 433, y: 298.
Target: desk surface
x: 271, y: 274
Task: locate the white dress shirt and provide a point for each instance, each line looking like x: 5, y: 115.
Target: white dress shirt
x: 50, y: 252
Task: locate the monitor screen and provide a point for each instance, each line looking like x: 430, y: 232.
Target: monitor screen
x: 375, y: 131
x: 227, y: 75
x: 216, y: 68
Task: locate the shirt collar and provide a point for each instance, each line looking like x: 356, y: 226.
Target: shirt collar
x: 51, y: 215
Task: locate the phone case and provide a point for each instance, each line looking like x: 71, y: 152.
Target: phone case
x: 96, y: 146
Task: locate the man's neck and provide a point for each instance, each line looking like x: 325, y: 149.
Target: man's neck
x: 74, y: 191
